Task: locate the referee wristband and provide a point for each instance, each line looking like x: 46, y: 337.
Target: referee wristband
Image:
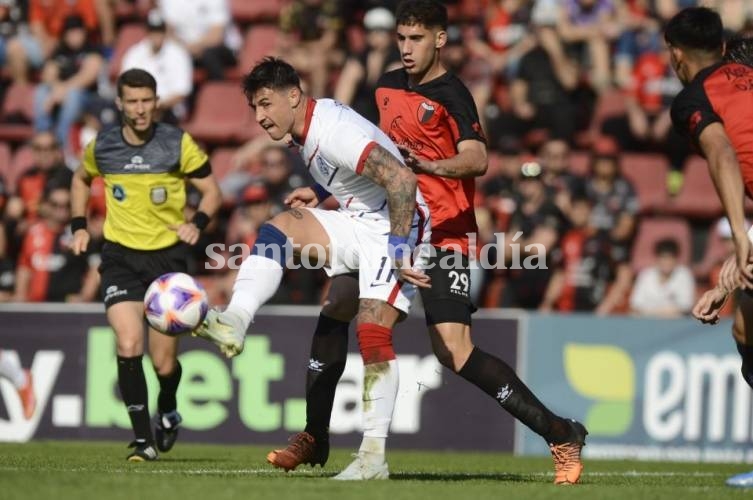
x: 78, y: 223
x: 200, y: 220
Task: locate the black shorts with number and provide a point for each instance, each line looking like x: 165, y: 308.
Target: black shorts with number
x: 125, y: 273
x: 448, y: 300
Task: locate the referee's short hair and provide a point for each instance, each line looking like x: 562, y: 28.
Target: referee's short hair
x: 136, y: 78
x: 271, y: 73
x: 696, y: 28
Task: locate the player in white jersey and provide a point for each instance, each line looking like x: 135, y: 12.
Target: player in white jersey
x: 380, y: 231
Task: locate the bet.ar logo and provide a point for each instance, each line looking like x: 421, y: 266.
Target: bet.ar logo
x: 606, y: 375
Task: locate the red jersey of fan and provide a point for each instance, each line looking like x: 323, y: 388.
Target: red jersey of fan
x: 430, y: 120
x: 720, y: 93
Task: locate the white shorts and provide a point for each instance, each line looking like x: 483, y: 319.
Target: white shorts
x: 360, y: 245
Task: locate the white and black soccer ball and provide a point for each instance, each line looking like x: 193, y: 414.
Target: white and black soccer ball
x: 175, y: 303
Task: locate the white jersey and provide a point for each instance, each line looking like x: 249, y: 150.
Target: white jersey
x: 335, y: 144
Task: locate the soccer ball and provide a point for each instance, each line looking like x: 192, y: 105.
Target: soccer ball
x: 175, y: 303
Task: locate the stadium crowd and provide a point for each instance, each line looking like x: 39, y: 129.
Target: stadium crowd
x: 574, y: 97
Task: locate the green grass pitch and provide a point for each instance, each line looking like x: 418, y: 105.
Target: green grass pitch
x: 87, y: 470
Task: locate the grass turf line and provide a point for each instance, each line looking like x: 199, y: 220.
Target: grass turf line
x: 96, y: 470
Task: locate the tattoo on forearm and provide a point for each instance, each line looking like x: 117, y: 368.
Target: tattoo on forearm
x: 382, y: 168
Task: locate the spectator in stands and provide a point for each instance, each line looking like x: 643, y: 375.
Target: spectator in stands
x: 647, y: 126
x: 312, y: 40
x: 11, y: 20
x: 615, y: 202
x: 357, y: 82
x: 279, y: 176
x: 500, y: 187
x: 504, y: 36
x: 588, y: 27
x: 69, y: 78
x: 666, y: 289
x: 46, y: 26
x: 47, y: 168
x: 540, y: 223
x: 554, y: 156
x: 205, y: 29
x: 474, y: 71
x: 47, y: 270
x: 724, y: 232
x: 591, y: 274
x: 170, y: 64
x: 540, y: 93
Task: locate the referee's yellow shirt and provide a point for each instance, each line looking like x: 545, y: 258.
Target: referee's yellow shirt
x: 145, y: 184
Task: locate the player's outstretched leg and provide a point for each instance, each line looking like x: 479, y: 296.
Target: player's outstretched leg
x: 329, y: 350
x: 22, y: 380
x: 565, y: 437
x: 258, y: 279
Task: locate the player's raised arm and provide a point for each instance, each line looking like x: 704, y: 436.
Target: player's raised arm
x: 725, y: 172
x: 400, y: 184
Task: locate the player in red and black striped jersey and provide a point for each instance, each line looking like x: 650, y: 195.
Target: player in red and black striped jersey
x: 715, y: 111
x: 431, y: 116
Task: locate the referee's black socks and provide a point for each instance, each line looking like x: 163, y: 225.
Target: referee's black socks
x: 132, y: 385
x: 498, y: 380
x: 329, y: 350
x: 168, y: 386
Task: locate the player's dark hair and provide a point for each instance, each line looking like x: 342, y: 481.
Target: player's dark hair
x: 739, y: 50
x: 271, y: 73
x: 695, y: 28
x: 136, y: 78
x: 428, y: 13
x: 667, y: 246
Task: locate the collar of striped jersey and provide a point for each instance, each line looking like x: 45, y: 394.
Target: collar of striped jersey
x: 310, y: 105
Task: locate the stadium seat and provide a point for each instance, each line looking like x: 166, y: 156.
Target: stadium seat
x: 653, y: 229
x: 18, y: 107
x: 22, y: 161
x: 128, y: 35
x: 698, y: 198
x: 648, y: 174
x: 221, y: 160
x: 260, y: 41
x: 247, y: 11
x: 221, y: 115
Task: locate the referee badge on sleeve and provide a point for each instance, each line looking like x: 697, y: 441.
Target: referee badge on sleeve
x: 158, y: 195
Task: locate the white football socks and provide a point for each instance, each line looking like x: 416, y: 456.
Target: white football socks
x: 11, y: 369
x: 379, y: 393
x: 256, y: 283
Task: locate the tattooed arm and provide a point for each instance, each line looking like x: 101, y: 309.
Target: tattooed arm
x: 399, y: 182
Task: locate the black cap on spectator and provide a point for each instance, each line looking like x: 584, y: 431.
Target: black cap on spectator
x: 667, y: 246
x: 155, y: 21
x: 73, y: 22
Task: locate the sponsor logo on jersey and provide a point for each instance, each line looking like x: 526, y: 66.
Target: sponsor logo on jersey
x: 137, y: 163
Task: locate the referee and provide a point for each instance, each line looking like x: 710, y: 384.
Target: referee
x: 144, y: 165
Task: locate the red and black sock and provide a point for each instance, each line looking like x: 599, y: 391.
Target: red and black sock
x: 132, y: 385
x: 498, y: 380
x: 329, y: 350
x: 168, y: 387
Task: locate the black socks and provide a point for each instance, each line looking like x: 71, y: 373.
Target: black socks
x: 498, y: 380
x: 168, y: 386
x: 132, y: 385
x: 329, y: 350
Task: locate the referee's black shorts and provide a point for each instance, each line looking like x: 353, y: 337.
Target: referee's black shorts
x: 448, y: 300
x: 125, y: 273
